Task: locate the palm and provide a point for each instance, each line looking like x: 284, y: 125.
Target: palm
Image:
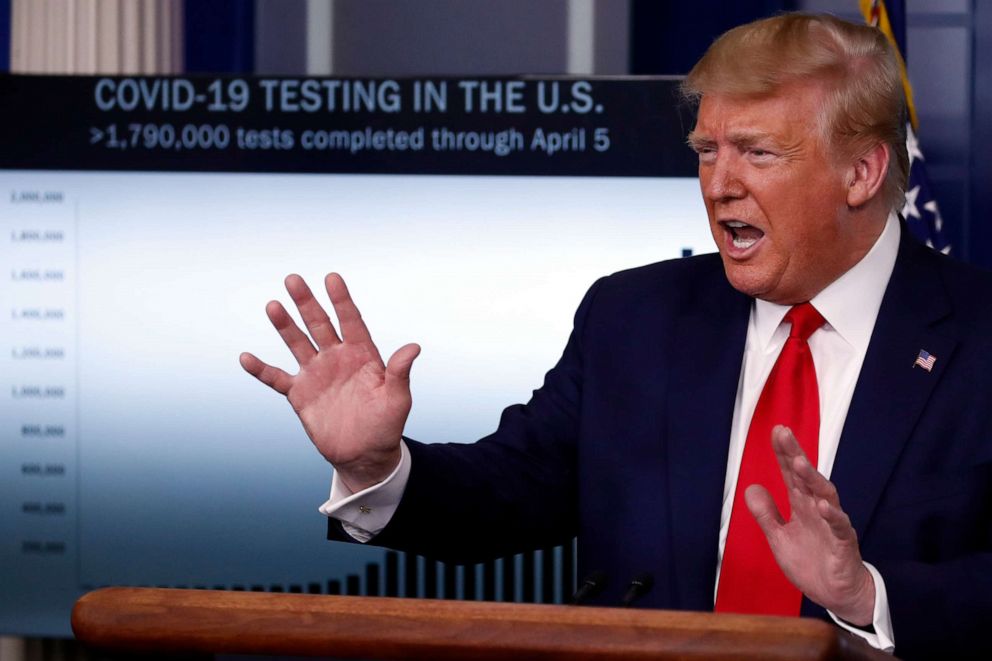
x: 351, y: 405
x: 817, y: 548
x: 341, y: 399
x: 812, y: 555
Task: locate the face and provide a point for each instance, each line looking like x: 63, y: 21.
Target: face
x: 776, y: 196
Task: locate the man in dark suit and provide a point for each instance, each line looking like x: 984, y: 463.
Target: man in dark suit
x: 658, y: 436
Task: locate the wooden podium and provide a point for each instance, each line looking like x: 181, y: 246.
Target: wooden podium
x: 165, y: 621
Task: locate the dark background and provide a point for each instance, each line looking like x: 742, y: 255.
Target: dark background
x: 948, y: 44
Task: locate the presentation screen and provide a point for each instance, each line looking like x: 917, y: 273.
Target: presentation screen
x: 147, y: 221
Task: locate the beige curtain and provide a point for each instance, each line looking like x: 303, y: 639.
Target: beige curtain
x: 96, y: 36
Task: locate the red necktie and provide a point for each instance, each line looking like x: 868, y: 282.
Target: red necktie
x: 750, y: 579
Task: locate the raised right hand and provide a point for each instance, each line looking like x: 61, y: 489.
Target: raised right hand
x: 352, y: 405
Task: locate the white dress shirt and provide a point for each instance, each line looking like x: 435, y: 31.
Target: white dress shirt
x: 850, y: 307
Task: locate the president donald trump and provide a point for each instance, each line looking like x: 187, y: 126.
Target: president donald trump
x: 799, y: 425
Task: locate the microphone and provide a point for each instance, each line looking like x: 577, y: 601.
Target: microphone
x: 638, y: 587
x: 591, y: 586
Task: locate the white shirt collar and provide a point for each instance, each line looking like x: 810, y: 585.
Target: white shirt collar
x: 850, y: 303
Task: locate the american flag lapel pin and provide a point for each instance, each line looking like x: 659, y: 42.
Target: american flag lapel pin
x: 925, y: 360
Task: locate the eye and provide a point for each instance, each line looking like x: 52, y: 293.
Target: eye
x: 706, y: 153
x: 759, y: 154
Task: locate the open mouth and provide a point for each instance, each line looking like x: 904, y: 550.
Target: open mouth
x: 742, y: 235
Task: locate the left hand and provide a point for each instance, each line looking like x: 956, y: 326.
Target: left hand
x: 817, y: 548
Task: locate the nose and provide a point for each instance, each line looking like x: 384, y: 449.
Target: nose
x: 720, y: 178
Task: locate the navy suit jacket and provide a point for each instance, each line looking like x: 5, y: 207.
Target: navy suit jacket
x: 625, y: 445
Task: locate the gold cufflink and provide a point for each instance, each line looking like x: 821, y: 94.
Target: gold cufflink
x: 364, y: 509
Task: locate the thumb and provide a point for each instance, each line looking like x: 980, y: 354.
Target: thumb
x: 764, y: 510
x: 398, y: 367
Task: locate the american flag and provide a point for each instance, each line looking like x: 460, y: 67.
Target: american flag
x: 925, y: 360
x: 920, y: 209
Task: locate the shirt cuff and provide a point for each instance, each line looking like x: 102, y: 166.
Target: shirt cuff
x: 882, y: 637
x: 364, y: 514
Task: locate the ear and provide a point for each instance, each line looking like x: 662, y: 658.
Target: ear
x: 867, y: 175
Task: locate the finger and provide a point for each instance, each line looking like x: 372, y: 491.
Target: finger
x: 801, y: 477
x: 762, y: 507
x: 814, y: 483
x: 838, y: 520
x: 298, y: 343
x: 398, y: 368
x: 314, y: 316
x: 786, y: 447
x: 353, y: 329
x: 271, y: 376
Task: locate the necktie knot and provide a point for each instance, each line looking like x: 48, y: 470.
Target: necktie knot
x: 805, y: 319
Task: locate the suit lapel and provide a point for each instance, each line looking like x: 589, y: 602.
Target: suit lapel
x: 707, y: 353
x: 891, y: 392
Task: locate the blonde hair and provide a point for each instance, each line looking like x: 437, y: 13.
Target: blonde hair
x: 865, y: 103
